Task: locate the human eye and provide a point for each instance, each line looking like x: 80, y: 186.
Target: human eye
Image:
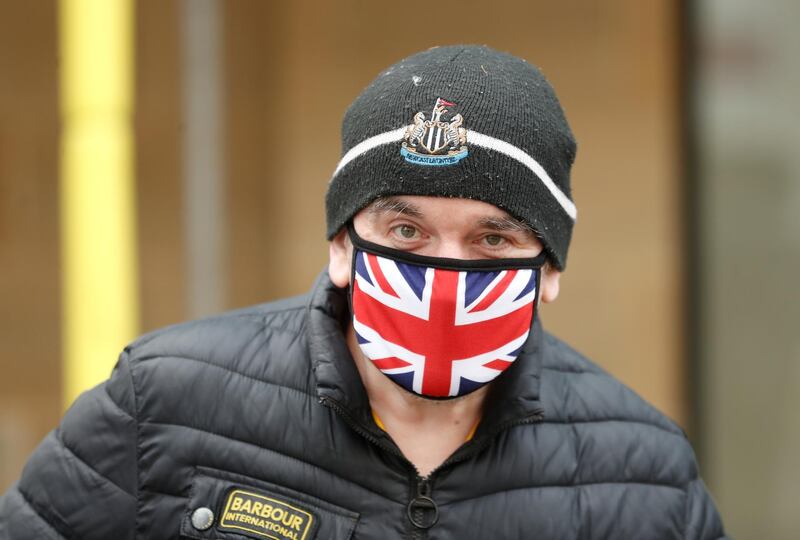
x: 494, y: 240
x: 405, y: 232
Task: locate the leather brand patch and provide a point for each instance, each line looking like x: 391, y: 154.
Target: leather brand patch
x: 261, y: 516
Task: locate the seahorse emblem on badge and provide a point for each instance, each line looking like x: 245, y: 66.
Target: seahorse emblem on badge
x: 435, y: 141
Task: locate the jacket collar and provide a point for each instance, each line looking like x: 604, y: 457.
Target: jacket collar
x: 514, y: 395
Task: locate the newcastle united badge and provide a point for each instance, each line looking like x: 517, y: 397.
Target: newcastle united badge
x: 436, y: 141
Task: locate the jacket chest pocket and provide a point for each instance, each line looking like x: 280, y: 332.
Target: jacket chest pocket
x: 227, y: 506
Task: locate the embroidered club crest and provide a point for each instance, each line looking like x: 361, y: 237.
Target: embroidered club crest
x: 435, y: 141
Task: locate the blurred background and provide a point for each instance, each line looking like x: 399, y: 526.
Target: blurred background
x: 180, y: 171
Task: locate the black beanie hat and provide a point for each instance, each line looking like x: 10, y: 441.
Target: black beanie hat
x: 461, y: 121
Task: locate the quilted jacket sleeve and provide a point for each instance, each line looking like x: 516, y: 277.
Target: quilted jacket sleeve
x: 702, y: 519
x: 81, y: 481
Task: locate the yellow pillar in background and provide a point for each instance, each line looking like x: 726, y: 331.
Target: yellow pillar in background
x: 99, y: 263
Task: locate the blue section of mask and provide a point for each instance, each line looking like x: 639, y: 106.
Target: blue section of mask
x: 515, y: 353
x: 414, y: 275
x: 406, y: 380
x: 361, y: 267
x: 468, y: 386
x: 476, y: 283
x: 530, y: 286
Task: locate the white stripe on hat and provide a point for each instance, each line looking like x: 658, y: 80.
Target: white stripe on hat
x: 478, y: 139
x: 368, y: 144
x: 490, y: 143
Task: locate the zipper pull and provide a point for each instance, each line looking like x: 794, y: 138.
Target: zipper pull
x: 423, y: 487
x: 422, y: 510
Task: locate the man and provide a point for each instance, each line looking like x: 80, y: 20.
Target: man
x: 413, y: 392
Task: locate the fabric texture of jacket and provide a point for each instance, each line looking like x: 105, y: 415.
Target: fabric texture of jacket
x: 255, y: 424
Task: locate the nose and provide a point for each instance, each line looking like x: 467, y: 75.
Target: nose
x: 452, y: 248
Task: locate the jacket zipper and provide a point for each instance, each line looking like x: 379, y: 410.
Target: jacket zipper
x: 417, y: 508
x: 341, y: 411
x: 415, y: 533
x: 423, y: 484
x: 535, y: 418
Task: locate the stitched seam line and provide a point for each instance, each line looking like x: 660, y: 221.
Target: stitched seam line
x: 564, y: 486
x: 117, y: 405
x: 284, y: 327
x: 212, y: 364
x: 687, y: 507
x: 67, y: 533
x: 249, y: 443
x: 577, y: 371
x: 83, y: 462
x: 262, y: 315
x: 621, y: 420
x: 139, y: 481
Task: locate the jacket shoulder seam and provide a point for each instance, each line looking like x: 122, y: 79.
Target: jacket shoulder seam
x: 261, y: 315
x: 135, y: 396
x: 282, y: 327
x: 229, y: 370
x: 86, y: 464
x: 621, y: 420
x: 117, y: 405
x: 575, y: 370
x: 687, y: 488
x: 687, y: 507
x: 60, y: 529
x: 676, y: 430
x: 576, y: 485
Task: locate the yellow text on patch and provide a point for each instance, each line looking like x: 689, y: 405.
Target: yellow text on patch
x: 264, y: 515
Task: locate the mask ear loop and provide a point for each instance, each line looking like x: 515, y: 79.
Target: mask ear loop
x: 350, y: 231
x: 536, y: 299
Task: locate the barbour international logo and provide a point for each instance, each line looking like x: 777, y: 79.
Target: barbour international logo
x: 435, y: 141
x: 260, y: 516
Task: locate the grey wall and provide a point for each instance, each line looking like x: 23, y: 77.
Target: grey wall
x: 749, y: 119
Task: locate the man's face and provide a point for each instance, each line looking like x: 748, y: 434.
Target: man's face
x: 440, y: 227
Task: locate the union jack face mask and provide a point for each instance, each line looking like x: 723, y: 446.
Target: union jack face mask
x: 441, y: 328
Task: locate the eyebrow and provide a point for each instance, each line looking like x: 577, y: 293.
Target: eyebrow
x: 390, y: 204
x: 387, y: 205
x: 507, y: 223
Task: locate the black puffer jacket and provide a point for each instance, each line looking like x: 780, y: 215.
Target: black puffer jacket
x: 259, y: 416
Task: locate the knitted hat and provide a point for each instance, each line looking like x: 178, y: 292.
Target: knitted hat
x: 462, y: 121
